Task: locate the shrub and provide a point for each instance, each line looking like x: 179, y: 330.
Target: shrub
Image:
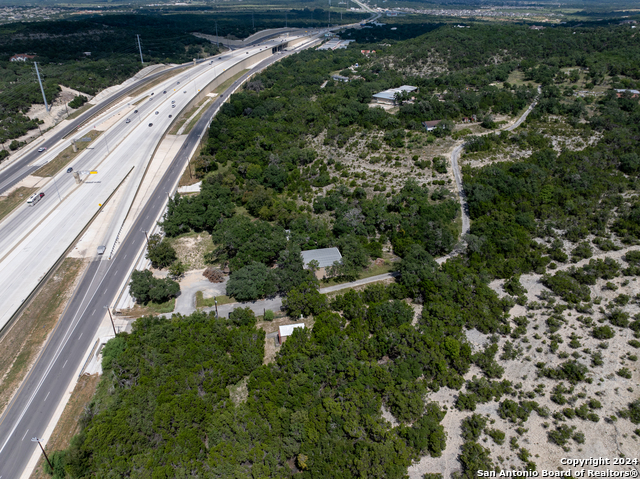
x: 602, y: 332
x: 567, y: 287
x: 268, y: 315
x: 472, y: 427
x: 78, y: 101
x: 440, y: 164
x: 571, y: 371
x: 624, y: 373
x: 497, y: 436
x: 561, y: 434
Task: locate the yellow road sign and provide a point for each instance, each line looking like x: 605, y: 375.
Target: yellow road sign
x: 93, y: 172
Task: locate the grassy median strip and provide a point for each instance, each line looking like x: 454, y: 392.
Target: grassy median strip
x: 22, y: 343
x: 13, y: 200
x: 202, y: 302
x: 194, y: 120
x: 69, y: 423
x: 185, y: 116
x: 227, y: 83
x: 65, y: 157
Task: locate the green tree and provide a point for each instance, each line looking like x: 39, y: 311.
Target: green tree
x: 144, y: 288
x: 291, y: 272
x: 252, y: 282
x: 305, y: 300
x: 160, y: 252
x: 243, y: 317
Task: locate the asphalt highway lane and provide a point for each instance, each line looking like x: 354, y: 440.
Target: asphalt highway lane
x: 34, y: 404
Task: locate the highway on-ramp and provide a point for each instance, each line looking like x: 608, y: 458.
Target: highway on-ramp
x: 34, y: 404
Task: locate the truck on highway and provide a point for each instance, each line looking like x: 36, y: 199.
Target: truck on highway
x: 33, y: 199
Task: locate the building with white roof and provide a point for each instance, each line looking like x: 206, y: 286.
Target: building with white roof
x: 389, y: 96
x: 287, y: 330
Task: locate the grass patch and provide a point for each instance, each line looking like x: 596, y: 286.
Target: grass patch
x: 14, y: 199
x: 516, y: 77
x: 372, y: 270
x: 80, y: 111
x: 188, y: 179
x: 65, y: 157
x: 68, y: 425
x: 194, y: 120
x: 202, y: 302
x: 151, y: 309
x: 140, y: 100
x: 227, y: 83
x: 22, y: 343
x: 184, y: 117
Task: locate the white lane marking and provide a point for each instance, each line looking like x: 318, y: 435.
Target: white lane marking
x: 45, y: 398
x: 65, y: 363
x: 25, y: 435
x: 80, y: 336
x: 94, y: 312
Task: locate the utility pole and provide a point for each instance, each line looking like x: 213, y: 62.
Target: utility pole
x: 35, y: 439
x: 146, y: 236
x: 46, y: 106
x: 140, y: 49
x: 112, y: 323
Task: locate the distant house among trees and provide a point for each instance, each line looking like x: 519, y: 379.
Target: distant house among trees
x: 324, y: 258
x: 287, y: 330
x: 633, y: 93
x: 21, y: 57
x: 340, y: 78
x: 431, y: 125
x: 390, y: 96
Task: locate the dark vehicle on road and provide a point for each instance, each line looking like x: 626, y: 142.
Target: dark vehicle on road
x: 150, y: 124
x: 69, y: 170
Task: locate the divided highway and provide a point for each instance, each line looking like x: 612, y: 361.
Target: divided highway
x: 34, y: 237
x: 34, y: 404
